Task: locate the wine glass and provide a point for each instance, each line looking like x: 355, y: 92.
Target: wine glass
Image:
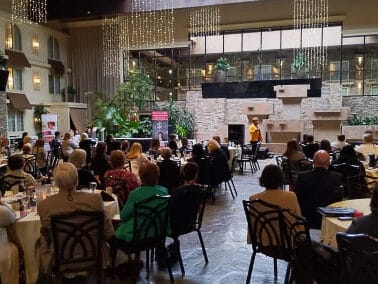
x: 92, y: 186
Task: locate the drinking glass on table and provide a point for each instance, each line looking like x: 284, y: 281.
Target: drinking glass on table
x: 92, y: 186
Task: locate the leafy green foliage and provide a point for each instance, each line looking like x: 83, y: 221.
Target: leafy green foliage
x: 222, y: 64
x: 354, y: 119
x: 119, y: 115
x: 299, y: 62
x: 182, y: 120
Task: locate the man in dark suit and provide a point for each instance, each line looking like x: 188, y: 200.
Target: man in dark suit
x: 367, y: 224
x: 310, y: 148
x: 317, y: 188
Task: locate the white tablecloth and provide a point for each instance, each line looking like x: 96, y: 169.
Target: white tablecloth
x: 331, y: 225
x: 27, y: 232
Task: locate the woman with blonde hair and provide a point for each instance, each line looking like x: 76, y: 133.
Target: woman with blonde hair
x: 78, y: 159
x: 40, y: 155
x: 136, y: 157
x: 68, y: 145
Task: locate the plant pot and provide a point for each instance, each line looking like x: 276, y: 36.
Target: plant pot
x: 220, y: 76
x: 3, y: 79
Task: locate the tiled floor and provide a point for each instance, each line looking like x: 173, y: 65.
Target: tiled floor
x: 224, y: 232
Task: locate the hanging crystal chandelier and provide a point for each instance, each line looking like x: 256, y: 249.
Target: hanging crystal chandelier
x: 151, y: 24
x: 29, y: 11
x: 310, y: 19
x: 205, y: 21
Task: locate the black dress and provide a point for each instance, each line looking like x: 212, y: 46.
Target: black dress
x: 169, y: 174
x: 99, y: 165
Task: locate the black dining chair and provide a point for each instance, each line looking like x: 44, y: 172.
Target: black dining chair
x: 187, y: 218
x: 358, y: 255
x: 150, y: 223
x: 78, y: 240
x: 229, y: 182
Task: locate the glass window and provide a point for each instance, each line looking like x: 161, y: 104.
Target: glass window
x: 374, y: 69
x: 14, y: 79
x: 232, y: 42
x: 334, y: 69
x: 15, y: 120
x: 270, y: 40
x: 263, y: 72
x: 198, y: 45
x: 214, y: 44
x: 251, y: 41
x: 53, y: 48
x: 54, y: 84
x: 12, y: 37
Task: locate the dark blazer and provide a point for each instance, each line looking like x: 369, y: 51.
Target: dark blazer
x: 169, y: 174
x: 85, y: 177
x: 86, y: 145
x: 310, y: 149
x: 365, y: 225
x: 99, y: 166
x: 219, y: 169
x: 317, y: 188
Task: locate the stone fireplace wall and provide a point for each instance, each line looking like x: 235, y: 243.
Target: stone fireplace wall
x: 282, y: 118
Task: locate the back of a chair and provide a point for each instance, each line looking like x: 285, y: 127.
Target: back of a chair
x: 358, y: 258
x: 264, y: 227
x: 233, y: 164
x: 150, y: 221
x: 30, y: 166
x: 78, y: 239
x: 10, y: 181
x: 247, y: 152
x: 127, y: 166
x: 187, y: 208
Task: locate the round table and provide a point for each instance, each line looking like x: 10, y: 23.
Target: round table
x: 331, y: 225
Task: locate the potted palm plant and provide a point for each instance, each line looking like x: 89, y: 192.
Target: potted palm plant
x: 221, y: 68
x: 3, y: 71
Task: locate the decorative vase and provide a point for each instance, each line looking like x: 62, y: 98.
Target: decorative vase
x: 220, y: 76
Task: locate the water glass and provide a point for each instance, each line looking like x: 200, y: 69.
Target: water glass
x: 92, y: 186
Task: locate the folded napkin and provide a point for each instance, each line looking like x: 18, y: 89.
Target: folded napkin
x: 336, y: 211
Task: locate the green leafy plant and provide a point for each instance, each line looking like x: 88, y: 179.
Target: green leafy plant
x: 354, y: 119
x: 183, y: 121
x: 222, y: 64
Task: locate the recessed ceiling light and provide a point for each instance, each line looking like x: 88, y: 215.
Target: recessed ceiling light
x: 88, y: 12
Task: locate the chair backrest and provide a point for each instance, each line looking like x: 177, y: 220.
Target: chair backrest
x: 127, y: 166
x: 150, y: 221
x: 265, y: 228
x: 30, y: 167
x: 187, y: 208
x: 12, y: 180
x: 247, y: 151
x: 233, y: 164
x: 358, y: 258
x: 78, y: 238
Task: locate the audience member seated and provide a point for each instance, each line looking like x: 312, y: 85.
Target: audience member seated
x: 110, y: 144
x: 293, y: 153
x: 367, y: 224
x: 367, y: 148
x: 219, y: 169
x: 272, y: 179
x: 169, y: 170
x: 100, y: 162
x: 185, y: 200
x: 79, y: 159
x: 184, y: 149
x: 325, y: 145
x: 40, y: 155
x: 149, y: 174
x: 224, y: 148
x: 68, y: 200
x: 172, y: 143
x: 68, y: 145
x: 348, y: 163
x: 203, y: 163
x: 16, y: 173
x: 304, y: 141
x: 27, y: 151
x: 125, y: 146
x: 317, y: 188
x: 310, y: 148
x: 154, y: 150
x: 86, y: 144
x: 8, y: 251
x: 55, y: 145
x: 121, y: 181
x: 340, y: 143
x: 136, y: 157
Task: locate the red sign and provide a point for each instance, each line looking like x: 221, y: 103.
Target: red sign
x: 159, y: 116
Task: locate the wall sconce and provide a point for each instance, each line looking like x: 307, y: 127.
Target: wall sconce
x: 35, y: 44
x: 36, y: 81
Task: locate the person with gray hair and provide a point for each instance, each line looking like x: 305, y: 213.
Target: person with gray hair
x: 78, y: 159
x: 367, y: 224
x: 68, y: 200
x: 367, y: 148
x: 318, y: 188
